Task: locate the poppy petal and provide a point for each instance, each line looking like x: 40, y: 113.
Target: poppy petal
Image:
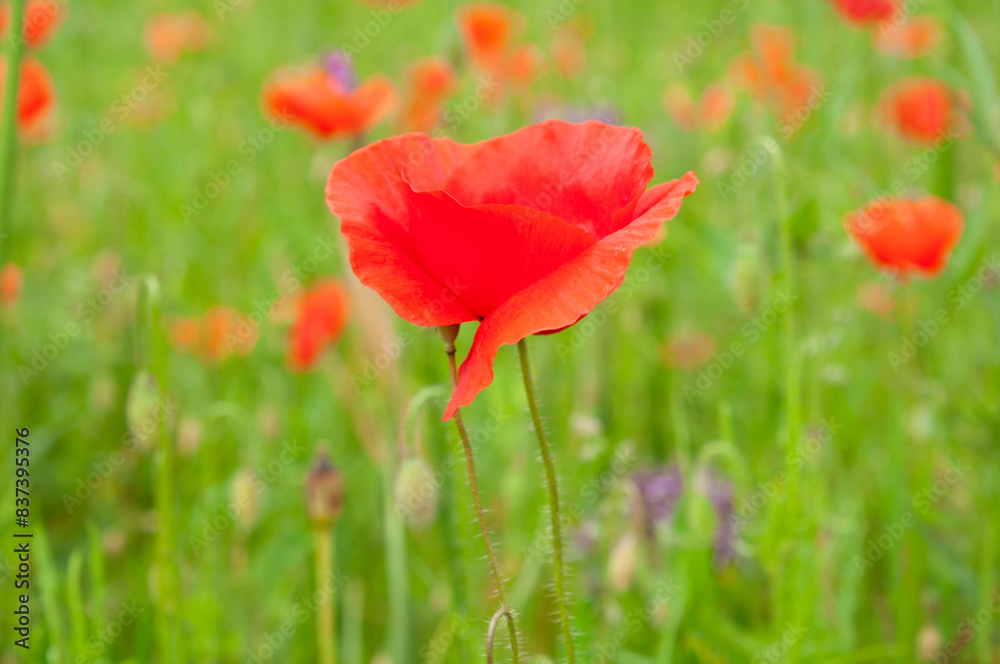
x: 548, y: 304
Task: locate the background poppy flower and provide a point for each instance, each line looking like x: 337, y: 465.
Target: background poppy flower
x: 769, y: 72
x: 11, y: 279
x: 525, y: 232
x: 321, y: 315
x: 225, y: 333
x: 168, y: 36
x: 906, y: 236
x: 709, y: 113
x: 431, y: 81
x: 915, y: 38
x: 569, y: 55
x: 41, y: 21
x: 919, y: 109
x: 861, y: 13
x: 36, y: 99
x: 316, y: 99
x: 487, y: 31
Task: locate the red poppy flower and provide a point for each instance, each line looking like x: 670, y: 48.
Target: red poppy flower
x: 708, y: 114
x: 568, y: 53
x: 168, y: 36
x: 861, y: 13
x: 11, y: 279
x: 225, y: 333
x: 431, y: 81
x: 487, y: 30
x: 525, y: 65
x: 185, y: 334
x: 525, y: 232
x: 769, y: 72
x: 913, y: 39
x: 316, y: 99
x: 41, y: 20
x: 321, y: 314
x: 907, y: 236
x: 919, y: 109
x: 36, y: 98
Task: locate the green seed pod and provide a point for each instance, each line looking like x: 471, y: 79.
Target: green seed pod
x: 416, y: 493
x: 142, y: 415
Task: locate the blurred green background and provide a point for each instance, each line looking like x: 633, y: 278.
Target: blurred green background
x: 799, y: 587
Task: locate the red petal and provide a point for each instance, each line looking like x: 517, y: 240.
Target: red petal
x: 569, y: 292
x: 368, y: 194
x: 582, y: 173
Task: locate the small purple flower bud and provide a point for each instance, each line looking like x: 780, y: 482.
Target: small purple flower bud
x: 660, y: 490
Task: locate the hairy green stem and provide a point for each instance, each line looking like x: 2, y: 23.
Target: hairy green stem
x: 470, y: 467
x: 550, y: 475
x: 502, y: 612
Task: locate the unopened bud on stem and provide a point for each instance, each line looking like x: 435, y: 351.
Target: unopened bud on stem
x: 324, y: 491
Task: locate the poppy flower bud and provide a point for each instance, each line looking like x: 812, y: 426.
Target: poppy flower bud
x: 449, y: 333
x: 324, y: 491
x: 141, y: 408
x: 416, y: 493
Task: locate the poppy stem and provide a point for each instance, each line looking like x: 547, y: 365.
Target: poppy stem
x: 8, y: 118
x: 470, y: 467
x: 550, y: 476
x: 503, y: 611
x: 326, y: 631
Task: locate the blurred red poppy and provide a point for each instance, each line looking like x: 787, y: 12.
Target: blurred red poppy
x: 525, y: 232
x: 321, y: 315
x: 185, y: 334
x: 168, y: 36
x: 907, y: 236
x: 525, y: 65
x: 875, y: 297
x: 687, y: 352
x: 11, y: 279
x: 431, y: 81
x: 919, y: 109
x: 316, y: 99
x: 769, y: 72
x: 860, y: 13
x: 568, y: 53
x: 41, y: 20
x: 913, y: 39
x: 225, y: 333
x: 488, y: 30
x: 708, y: 114
x: 36, y: 99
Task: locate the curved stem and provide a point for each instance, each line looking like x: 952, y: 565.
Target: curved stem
x: 550, y: 476
x: 470, y: 467
x: 515, y: 652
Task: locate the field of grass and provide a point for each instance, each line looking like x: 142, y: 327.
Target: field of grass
x: 833, y: 472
